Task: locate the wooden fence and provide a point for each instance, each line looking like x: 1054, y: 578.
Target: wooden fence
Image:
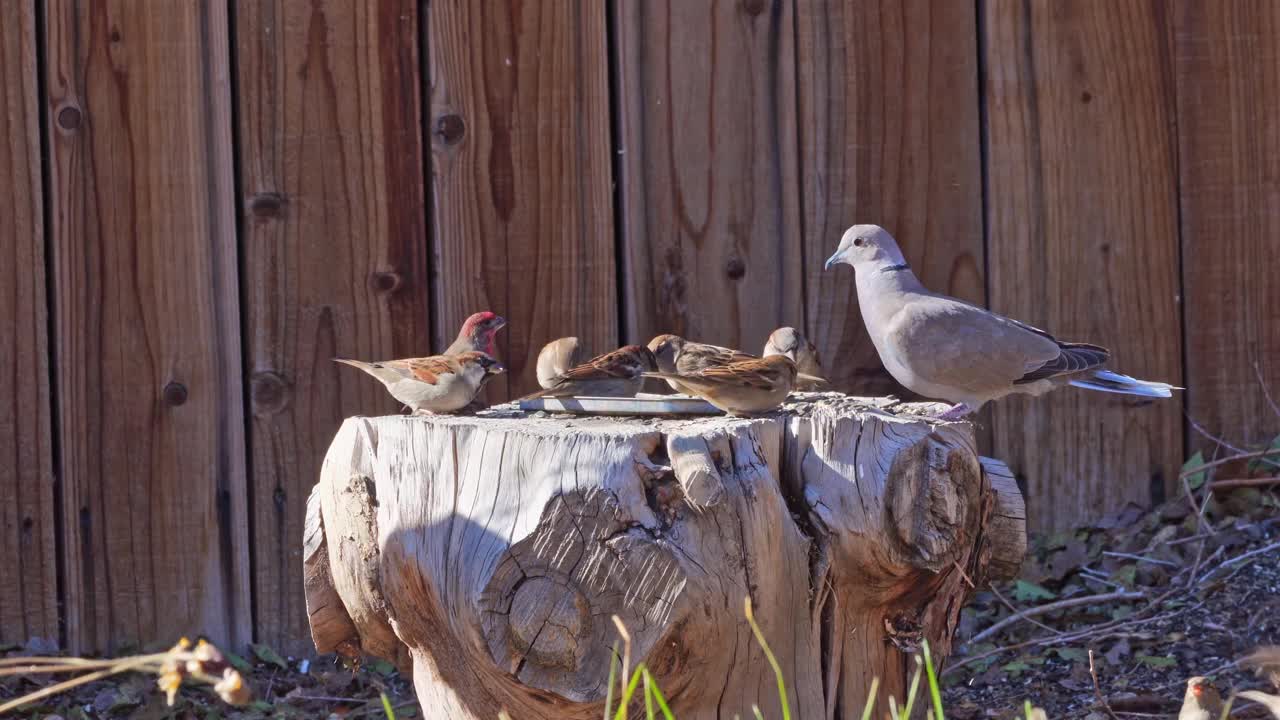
x: 202, y: 202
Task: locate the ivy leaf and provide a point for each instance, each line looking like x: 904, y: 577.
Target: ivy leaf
x: 1126, y: 575
x: 269, y: 656
x: 1015, y: 667
x: 1195, y: 480
x: 1028, y: 591
x: 1272, y: 460
x: 238, y: 662
x: 1071, y: 654
x: 1156, y: 661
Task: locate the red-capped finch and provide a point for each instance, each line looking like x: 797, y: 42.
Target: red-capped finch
x: 477, y: 334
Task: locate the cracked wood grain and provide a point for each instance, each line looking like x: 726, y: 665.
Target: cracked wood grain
x: 500, y: 545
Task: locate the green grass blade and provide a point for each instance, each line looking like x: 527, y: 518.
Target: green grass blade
x: 625, y: 701
x: 1026, y: 709
x: 657, y: 696
x: 935, y: 692
x: 777, y: 669
x: 871, y: 699
x: 755, y: 709
x: 386, y: 708
x: 648, y: 695
x: 911, y: 693
x: 613, y: 675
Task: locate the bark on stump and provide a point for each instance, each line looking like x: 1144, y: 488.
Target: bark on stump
x: 486, y: 554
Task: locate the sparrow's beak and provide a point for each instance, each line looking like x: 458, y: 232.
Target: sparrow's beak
x: 500, y: 322
x: 833, y: 260
x: 496, y: 369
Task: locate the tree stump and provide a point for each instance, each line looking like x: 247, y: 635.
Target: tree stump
x: 488, y: 553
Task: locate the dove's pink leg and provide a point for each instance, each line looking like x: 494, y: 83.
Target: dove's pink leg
x: 956, y: 412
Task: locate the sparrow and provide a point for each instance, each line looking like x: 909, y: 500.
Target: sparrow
x: 477, y: 334
x: 742, y: 387
x: 616, y: 374
x: 788, y: 341
x: 677, y: 356
x: 436, y: 384
x: 556, y: 358
x: 1202, y: 701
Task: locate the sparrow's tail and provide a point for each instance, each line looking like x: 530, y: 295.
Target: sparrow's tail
x: 1114, y: 382
x: 664, y: 376
x: 355, y: 363
x: 813, y: 380
x: 546, y: 392
x: 374, y: 369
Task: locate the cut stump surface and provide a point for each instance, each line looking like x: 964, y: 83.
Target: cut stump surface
x: 488, y: 553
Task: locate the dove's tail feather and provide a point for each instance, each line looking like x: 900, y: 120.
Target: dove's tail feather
x: 1114, y: 382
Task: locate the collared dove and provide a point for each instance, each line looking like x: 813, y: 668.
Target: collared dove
x: 944, y: 348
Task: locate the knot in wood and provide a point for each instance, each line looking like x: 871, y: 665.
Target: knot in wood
x: 265, y: 205
x: 450, y: 129
x: 385, y: 282
x: 269, y: 391
x: 175, y: 394
x: 547, y: 618
x: 69, y: 118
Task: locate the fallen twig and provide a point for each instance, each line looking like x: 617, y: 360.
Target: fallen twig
x: 1232, y: 458
x: 1104, y: 630
x: 1195, y: 506
x: 1051, y: 607
x: 1139, y: 558
x: 1241, y: 558
x: 1097, y: 688
x: 1266, y: 393
x: 1244, y: 482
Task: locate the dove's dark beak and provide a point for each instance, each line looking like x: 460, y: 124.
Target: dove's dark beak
x: 833, y: 260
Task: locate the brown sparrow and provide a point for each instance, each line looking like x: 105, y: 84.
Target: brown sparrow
x: 788, y: 341
x: 477, y: 334
x: 677, y: 356
x: 437, y: 384
x: 556, y: 358
x: 743, y: 387
x: 616, y: 374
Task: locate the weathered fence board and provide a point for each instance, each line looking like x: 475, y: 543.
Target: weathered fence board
x: 522, y: 200
x: 1228, y: 74
x: 708, y: 169
x: 334, y: 236
x: 1082, y: 210
x: 888, y: 96
x: 147, y: 323
x: 28, y: 602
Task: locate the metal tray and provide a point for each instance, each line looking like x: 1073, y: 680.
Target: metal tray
x: 642, y: 404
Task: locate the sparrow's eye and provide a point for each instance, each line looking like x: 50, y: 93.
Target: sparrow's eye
x: 858, y: 242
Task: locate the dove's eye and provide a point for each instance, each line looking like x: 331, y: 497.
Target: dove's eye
x: 858, y: 242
